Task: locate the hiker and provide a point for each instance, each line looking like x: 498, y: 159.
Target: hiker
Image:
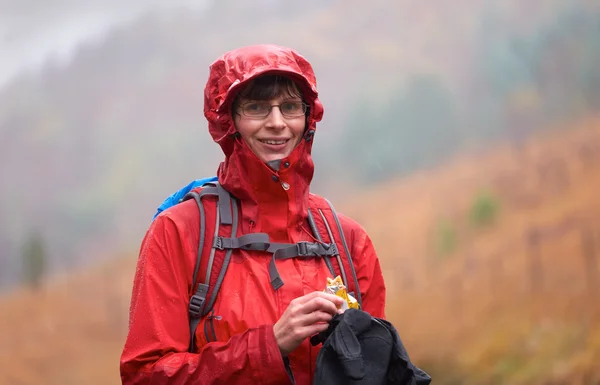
x: 229, y: 285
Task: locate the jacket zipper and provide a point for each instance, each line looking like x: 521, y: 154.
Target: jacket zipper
x: 210, y: 324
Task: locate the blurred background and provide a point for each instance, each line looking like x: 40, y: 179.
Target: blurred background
x: 463, y: 135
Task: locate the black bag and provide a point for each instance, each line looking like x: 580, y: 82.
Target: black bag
x: 361, y: 349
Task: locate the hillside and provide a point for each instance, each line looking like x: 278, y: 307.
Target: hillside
x: 479, y: 313
x: 98, y: 142
x: 514, y: 301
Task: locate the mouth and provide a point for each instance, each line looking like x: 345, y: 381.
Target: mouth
x: 272, y: 142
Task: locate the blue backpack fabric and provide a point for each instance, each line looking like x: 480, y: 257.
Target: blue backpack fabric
x: 177, y: 196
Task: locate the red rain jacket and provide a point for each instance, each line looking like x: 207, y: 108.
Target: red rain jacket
x: 247, y: 307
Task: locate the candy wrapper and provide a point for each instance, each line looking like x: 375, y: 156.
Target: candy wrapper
x: 336, y: 287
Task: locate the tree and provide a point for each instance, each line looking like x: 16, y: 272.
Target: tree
x: 34, y: 260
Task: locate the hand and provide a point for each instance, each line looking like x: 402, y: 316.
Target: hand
x: 304, y: 317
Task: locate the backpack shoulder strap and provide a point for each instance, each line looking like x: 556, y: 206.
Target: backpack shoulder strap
x: 209, y: 272
x: 213, y: 258
x: 326, y: 226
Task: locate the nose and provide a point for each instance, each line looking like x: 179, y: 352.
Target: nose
x: 275, y: 119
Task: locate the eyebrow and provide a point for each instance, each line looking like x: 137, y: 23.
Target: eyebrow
x: 294, y: 98
x: 283, y: 99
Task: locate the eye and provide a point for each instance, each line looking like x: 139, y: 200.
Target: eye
x: 256, y: 108
x: 291, y: 107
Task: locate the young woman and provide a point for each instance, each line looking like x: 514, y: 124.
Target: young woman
x: 262, y: 107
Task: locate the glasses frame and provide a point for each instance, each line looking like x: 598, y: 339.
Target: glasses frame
x: 240, y: 110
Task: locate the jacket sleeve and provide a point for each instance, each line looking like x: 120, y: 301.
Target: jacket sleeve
x: 368, y: 269
x: 155, y: 350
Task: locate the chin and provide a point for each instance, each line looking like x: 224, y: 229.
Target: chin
x: 272, y: 157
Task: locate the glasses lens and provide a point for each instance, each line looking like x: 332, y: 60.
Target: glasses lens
x: 293, y: 109
x: 256, y: 109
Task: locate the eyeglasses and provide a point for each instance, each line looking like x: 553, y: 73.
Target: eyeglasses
x: 260, y: 110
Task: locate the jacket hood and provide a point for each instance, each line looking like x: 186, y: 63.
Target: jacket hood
x: 266, y: 206
x: 233, y: 70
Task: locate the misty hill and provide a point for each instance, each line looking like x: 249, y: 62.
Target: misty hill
x: 92, y: 147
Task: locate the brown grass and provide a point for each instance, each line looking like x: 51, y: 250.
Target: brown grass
x: 472, y: 316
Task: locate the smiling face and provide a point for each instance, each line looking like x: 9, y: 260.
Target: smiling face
x: 270, y: 116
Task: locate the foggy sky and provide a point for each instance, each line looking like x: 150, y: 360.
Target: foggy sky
x: 32, y: 31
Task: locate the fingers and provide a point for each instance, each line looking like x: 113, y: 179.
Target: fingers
x: 314, y: 317
x: 304, y: 317
x: 319, y: 294
x: 289, y: 333
x: 319, y: 304
x: 301, y: 333
x: 314, y: 329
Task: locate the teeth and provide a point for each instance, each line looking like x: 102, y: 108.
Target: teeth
x: 273, y: 141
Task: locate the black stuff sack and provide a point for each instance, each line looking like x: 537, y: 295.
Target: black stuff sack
x: 359, y: 349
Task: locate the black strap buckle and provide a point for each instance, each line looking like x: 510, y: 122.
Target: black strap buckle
x: 308, y: 249
x: 196, y: 305
x: 218, y: 243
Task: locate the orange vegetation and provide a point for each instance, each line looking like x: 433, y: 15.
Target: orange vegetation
x: 501, y: 307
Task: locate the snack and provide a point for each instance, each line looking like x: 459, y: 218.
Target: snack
x: 335, y: 286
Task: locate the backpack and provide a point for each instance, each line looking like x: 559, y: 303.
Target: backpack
x: 209, y: 270
x: 177, y: 196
